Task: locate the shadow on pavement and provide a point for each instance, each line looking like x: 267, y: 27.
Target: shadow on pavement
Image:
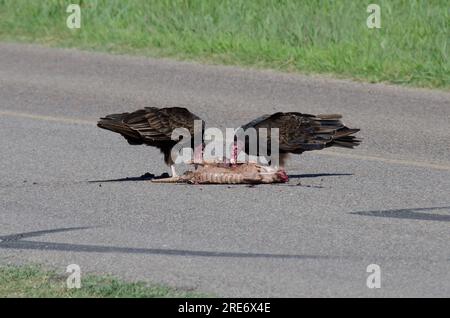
x: 145, y: 177
x: 413, y: 214
x: 14, y: 241
x: 318, y: 175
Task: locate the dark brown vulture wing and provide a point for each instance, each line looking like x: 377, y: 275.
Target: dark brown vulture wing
x: 304, y: 132
x: 151, y: 126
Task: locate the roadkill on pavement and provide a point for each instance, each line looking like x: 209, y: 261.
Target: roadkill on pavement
x: 226, y: 173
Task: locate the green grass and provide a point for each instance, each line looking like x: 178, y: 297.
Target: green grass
x: 310, y: 36
x: 32, y: 281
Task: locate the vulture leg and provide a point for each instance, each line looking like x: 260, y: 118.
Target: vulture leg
x: 283, y: 159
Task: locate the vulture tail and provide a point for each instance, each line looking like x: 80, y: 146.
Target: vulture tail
x: 115, y: 123
x: 343, y: 138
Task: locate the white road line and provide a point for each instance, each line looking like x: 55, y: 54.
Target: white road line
x: 68, y: 120
x: 421, y: 164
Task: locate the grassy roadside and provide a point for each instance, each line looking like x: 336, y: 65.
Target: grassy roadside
x: 309, y: 36
x: 34, y: 282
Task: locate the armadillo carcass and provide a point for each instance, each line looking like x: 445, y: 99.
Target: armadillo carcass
x: 220, y: 173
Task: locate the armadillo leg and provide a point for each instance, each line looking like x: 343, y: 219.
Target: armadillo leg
x: 167, y: 180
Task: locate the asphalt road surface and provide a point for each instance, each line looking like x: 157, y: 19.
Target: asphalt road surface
x: 386, y: 202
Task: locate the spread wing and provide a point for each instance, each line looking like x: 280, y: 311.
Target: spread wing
x: 151, y: 126
x: 303, y: 132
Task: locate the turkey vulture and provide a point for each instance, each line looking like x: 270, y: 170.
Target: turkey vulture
x: 299, y: 133
x: 153, y: 127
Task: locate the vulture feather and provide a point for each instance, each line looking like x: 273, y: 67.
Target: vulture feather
x: 302, y: 132
x: 153, y: 127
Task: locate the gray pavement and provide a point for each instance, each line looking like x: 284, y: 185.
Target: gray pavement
x: 386, y: 202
